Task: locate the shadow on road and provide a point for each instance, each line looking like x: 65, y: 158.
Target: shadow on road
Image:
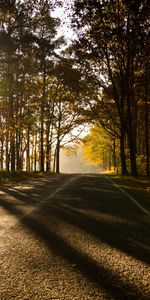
x: 77, y: 208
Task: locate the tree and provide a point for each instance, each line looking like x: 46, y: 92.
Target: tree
x: 99, y: 148
x: 109, y: 47
x: 27, y: 35
x: 45, y: 32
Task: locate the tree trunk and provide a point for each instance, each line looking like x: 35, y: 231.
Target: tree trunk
x: 7, y: 151
x: 110, y: 157
x: 12, y: 148
x: 124, y: 170
x: 12, y: 129
x: 58, y: 157
x: 147, y: 124
x: 129, y: 83
x: 42, y: 119
x: 28, y: 153
x: 18, y: 151
x: 48, y: 147
x: 2, y: 153
x: 132, y: 146
x: 54, y: 162
x: 114, y: 154
x: 58, y: 139
x: 35, y: 153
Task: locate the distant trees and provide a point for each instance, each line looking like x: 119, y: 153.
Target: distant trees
x: 112, y: 46
x: 100, y: 148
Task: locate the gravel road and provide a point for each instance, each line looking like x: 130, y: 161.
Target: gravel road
x: 72, y: 237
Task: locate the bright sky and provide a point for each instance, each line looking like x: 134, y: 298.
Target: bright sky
x: 62, y: 14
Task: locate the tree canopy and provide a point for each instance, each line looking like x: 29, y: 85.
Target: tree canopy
x: 101, y: 78
x: 113, y: 46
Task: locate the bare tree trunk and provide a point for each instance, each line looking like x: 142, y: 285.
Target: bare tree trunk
x: 147, y: 123
x: 129, y: 102
x: 124, y: 170
x: 58, y: 139
x: 110, y: 157
x: 48, y: 146
x: 12, y: 130
x: 42, y: 119
x: 28, y: 152
x: 132, y: 150
x: 54, y: 162
x: 1, y: 142
x: 35, y: 152
x: 2, y: 153
x: 7, y: 152
x: 114, y: 154
x: 58, y: 157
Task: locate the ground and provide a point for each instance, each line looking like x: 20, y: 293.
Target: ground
x: 72, y: 237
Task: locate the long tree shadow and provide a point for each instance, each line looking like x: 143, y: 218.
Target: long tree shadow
x: 128, y: 236
x: 102, y: 276
x: 128, y: 231
x: 31, y: 195
x: 120, y: 229
x: 66, y: 209
x: 120, y: 236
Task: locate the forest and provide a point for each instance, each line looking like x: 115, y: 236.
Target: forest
x: 50, y: 89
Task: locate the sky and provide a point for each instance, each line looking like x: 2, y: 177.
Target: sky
x: 65, y: 28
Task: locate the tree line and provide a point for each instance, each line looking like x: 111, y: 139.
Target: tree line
x: 37, y: 95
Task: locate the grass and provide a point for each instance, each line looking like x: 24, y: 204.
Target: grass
x: 139, y: 181
x: 17, y: 176
x: 108, y: 172
x: 137, y: 186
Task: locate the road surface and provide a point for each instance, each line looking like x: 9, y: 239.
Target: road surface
x: 72, y: 237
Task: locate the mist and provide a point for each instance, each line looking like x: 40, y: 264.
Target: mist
x: 76, y: 163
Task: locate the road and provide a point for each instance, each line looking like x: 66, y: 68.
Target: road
x: 72, y: 237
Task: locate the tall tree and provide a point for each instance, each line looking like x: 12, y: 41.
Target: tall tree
x: 108, y: 46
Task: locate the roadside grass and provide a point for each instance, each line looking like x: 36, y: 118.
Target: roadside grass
x: 108, y: 172
x: 142, y: 182
x: 137, y: 187
x: 17, y: 176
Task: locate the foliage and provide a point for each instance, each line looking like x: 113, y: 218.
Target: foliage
x: 113, y: 47
x: 98, y: 147
x: 37, y: 86
x: 102, y: 78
